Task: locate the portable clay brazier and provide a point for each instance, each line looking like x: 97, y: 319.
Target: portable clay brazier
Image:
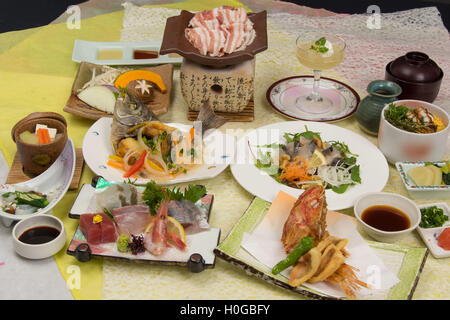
x: 228, y: 89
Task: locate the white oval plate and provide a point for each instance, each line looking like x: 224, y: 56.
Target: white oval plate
x: 97, y: 148
x: 56, y: 179
x: 374, y: 169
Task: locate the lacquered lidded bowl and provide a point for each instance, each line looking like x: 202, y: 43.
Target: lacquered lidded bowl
x: 36, y: 158
x: 419, y: 76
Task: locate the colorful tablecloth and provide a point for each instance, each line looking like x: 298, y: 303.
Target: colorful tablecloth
x: 36, y: 74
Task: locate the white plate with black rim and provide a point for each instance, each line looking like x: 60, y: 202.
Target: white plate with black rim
x: 282, y: 97
x: 374, y: 169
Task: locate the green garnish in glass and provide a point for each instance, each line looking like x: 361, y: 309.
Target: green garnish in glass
x: 320, y: 45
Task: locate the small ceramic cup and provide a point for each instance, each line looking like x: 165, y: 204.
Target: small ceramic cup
x: 387, y: 199
x: 38, y: 251
x: 38, y: 158
x: 381, y: 92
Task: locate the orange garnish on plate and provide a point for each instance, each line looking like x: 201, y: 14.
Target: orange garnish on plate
x: 295, y: 171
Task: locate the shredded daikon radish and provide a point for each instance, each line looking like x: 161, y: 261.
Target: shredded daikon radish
x: 335, y: 175
x: 106, y: 77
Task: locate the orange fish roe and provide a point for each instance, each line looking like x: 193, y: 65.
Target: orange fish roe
x: 439, y: 123
x: 444, y: 239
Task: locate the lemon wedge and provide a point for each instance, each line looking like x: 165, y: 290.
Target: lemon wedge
x: 173, y: 226
x: 317, y: 160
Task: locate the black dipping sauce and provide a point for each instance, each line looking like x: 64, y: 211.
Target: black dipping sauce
x: 39, y: 235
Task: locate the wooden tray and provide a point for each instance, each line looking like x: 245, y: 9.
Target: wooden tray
x: 246, y: 115
x: 17, y: 175
x: 159, y: 105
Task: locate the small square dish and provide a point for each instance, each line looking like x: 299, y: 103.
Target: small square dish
x: 422, y: 192
x: 430, y: 235
x: 122, y: 53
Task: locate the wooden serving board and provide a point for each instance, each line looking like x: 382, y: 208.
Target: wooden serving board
x: 159, y: 105
x: 17, y: 175
x: 246, y: 115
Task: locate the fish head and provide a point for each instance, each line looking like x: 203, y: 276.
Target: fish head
x: 129, y: 111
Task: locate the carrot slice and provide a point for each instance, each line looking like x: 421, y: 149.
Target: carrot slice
x: 116, y: 158
x: 46, y: 135
x: 41, y: 137
x: 295, y: 171
x: 115, y: 164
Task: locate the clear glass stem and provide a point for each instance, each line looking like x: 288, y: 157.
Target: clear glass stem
x: 315, y: 96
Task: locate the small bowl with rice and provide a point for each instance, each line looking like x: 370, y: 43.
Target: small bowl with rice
x: 413, y: 130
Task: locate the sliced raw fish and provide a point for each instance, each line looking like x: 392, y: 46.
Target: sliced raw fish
x: 332, y: 155
x: 306, y: 150
x: 188, y: 214
x: 96, y: 233
x: 117, y: 196
x: 132, y: 219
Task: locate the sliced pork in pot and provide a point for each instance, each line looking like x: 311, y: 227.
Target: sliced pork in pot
x: 221, y: 30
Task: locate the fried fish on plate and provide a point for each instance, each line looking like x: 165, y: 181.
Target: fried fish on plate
x: 326, y: 260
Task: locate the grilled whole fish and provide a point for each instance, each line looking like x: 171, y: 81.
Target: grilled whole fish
x: 128, y: 113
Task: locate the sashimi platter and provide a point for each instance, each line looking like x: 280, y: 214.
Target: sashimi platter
x: 149, y: 202
x: 123, y: 221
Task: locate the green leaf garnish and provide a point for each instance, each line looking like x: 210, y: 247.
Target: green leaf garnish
x: 341, y: 189
x: 342, y: 147
x: 154, y: 194
x: 290, y: 137
x: 320, y: 45
x: 355, y: 174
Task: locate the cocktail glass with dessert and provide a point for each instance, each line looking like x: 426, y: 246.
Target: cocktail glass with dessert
x: 318, y: 51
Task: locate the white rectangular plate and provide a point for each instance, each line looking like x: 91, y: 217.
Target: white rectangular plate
x: 88, y: 51
x: 202, y: 243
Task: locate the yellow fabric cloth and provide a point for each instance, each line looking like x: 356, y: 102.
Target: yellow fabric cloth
x: 36, y: 74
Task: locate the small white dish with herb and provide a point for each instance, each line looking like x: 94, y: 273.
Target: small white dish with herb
x: 426, y: 180
x: 434, y: 228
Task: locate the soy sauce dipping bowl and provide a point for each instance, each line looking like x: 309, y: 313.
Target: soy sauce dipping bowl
x: 386, y: 199
x: 38, y: 251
